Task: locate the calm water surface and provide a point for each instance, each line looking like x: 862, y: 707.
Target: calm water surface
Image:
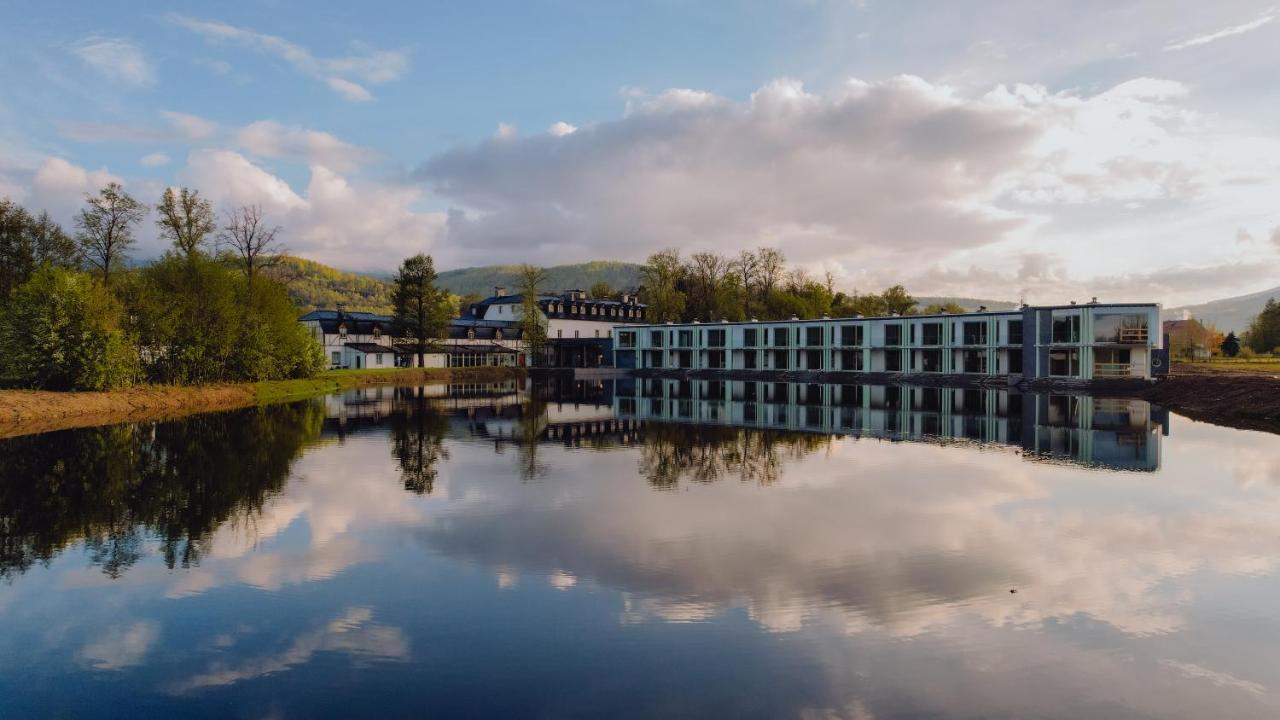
x: 652, y: 550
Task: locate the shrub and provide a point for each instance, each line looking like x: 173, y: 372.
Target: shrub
x: 63, y: 332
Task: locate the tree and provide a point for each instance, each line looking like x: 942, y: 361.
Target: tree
x: 252, y: 240
x: 185, y: 219
x: 1264, y: 331
x: 707, y: 273
x: 17, y: 256
x: 63, y: 332
x: 1231, y: 345
x: 949, y: 307
x: 898, y: 301
x: 53, y: 246
x: 106, y: 227
x: 533, y: 325
x: 601, y: 291
x: 421, y: 309
x: 660, y: 278
x: 417, y: 439
x: 770, y: 267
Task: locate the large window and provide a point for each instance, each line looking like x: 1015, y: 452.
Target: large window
x: 1015, y: 332
x: 684, y: 338
x: 1064, y: 363
x: 715, y: 338
x: 931, y: 360
x: 813, y: 336
x: 751, y: 337
x: 893, y: 335
x: 974, y: 361
x: 1130, y: 329
x: 1066, y: 328
x: 655, y: 338
x: 626, y: 339
x: 851, y: 360
x: 781, y: 337
x: 931, y: 333
x: 851, y: 335
x: 813, y: 359
x: 893, y: 359
x: 975, y: 333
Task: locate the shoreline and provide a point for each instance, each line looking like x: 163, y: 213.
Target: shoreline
x: 28, y: 412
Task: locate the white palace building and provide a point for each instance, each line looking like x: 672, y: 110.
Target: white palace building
x: 1092, y: 341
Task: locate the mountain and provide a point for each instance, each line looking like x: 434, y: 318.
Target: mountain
x: 313, y: 285
x: 480, y: 280
x: 1231, y: 314
x: 969, y: 304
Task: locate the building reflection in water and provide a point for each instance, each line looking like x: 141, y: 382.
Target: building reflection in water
x: 1113, y: 433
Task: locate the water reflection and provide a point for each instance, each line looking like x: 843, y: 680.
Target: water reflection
x: 793, y: 550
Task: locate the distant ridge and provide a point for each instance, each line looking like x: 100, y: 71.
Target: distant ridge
x: 480, y: 280
x: 1231, y: 314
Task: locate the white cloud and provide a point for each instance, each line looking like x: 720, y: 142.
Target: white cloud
x: 868, y: 176
x: 121, y: 647
x: 190, y: 127
x: 116, y: 59
x: 155, y: 159
x: 561, y: 128
x: 364, y: 62
x: 1223, y: 33
x: 178, y: 127
x: 349, y: 90
x: 505, y: 132
x: 357, y: 225
x: 268, y: 138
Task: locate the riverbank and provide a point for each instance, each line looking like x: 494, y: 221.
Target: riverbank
x: 1246, y: 399
x: 24, y: 412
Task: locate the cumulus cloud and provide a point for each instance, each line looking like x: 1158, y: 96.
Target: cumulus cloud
x: 351, y: 224
x: 116, y: 59
x: 561, y: 128
x: 271, y: 139
x: 363, y: 63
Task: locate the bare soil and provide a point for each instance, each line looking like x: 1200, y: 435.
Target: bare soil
x: 1245, y: 399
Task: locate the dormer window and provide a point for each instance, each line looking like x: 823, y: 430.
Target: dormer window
x: 471, y: 333
x: 342, y: 330
x: 377, y: 332
x: 497, y: 334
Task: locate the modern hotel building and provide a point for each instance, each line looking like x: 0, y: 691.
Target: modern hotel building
x: 1080, y: 342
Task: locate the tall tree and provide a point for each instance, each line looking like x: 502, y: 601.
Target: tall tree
x: 771, y: 266
x: 1230, y: 345
x: 106, y: 227
x: 706, y: 272
x: 1264, y: 332
x: 898, y: 301
x: 186, y: 219
x: 660, y: 278
x: 252, y: 240
x: 421, y: 308
x: 53, y: 246
x: 17, y: 256
x: 533, y: 325
x: 601, y: 291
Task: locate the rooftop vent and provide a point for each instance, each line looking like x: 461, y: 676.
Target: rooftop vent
x: 982, y: 308
x: 1073, y: 302
x: 754, y: 320
x: 1094, y: 300
x: 724, y: 320
x: 826, y: 316
x: 795, y: 317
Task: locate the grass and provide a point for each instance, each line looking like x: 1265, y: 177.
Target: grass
x: 274, y: 391
x: 1233, y: 365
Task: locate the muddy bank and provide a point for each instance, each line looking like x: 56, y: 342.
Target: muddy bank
x: 24, y: 412
x: 1246, y: 400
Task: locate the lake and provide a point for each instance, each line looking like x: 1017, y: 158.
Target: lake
x: 645, y: 549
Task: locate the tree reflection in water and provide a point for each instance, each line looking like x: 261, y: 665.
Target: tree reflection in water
x: 114, y: 487
x: 704, y: 454
x: 417, y: 438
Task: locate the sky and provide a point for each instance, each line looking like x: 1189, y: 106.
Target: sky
x: 1037, y: 151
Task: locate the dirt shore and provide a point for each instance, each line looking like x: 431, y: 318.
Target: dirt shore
x: 24, y: 412
x: 1245, y: 399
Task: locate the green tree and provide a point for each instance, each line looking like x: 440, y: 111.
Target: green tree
x: 601, y: 291
x: 17, y: 254
x: 105, y: 228
x: 661, y: 277
x: 1264, y: 332
x: 251, y: 240
x: 63, y: 332
x: 533, y: 324
x: 898, y: 301
x: 186, y: 219
x: 1230, y: 345
x: 53, y: 246
x: 421, y: 309
x: 950, y: 308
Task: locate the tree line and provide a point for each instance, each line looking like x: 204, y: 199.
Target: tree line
x: 75, y: 314
x: 757, y: 284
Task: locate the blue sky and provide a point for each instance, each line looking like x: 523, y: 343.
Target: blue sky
x: 1050, y: 150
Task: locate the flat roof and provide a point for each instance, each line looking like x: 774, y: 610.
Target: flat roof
x: 985, y: 313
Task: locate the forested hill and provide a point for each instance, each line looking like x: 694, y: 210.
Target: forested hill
x: 313, y: 285
x: 480, y: 280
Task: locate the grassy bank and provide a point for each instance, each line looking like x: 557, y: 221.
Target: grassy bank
x: 23, y: 412
x: 1269, y: 365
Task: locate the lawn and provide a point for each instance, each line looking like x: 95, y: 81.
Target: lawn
x: 1269, y: 365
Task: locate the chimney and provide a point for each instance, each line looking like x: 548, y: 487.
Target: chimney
x: 499, y: 291
x: 1094, y: 301
x: 982, y: 308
